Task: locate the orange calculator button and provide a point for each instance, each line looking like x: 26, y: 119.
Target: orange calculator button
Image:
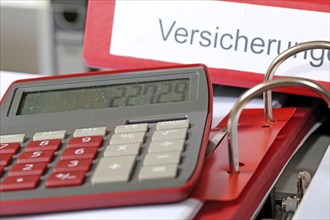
x: 10, y: 148
x: 35, y: 157
x: 65, y: 179
x: 93, y: 141
x: 43, y: 145
x: 73, y: 165
x: 28, y: 169
x: 19, y: 183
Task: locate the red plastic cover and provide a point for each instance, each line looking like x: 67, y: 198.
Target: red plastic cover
x: 263, y: 151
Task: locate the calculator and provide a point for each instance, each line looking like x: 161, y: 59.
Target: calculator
x: 103, y: 139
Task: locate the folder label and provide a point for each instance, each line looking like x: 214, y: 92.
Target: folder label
x: 223, y: 35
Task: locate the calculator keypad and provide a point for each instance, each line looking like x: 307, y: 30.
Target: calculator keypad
x: 43, y: 145
x: 49, y: 135
x: 54, y: 159
x: 35, y: 157
x: 158, y: 172
x: 28, y: 169
x: 73, y: 165
x: 79, y: 153
x: 5, y: 159
x: 12, y: 138
x: 20, y: 183
x: 88, y: 141
x: 131, y: 128
x: 10, y: 148
x: 127, y: 138
x: 113, y: 169
x: 122, y: 150
x: 166, y: 146
x: 165, y: 125
x: 61, y: 179
x: 84, y: 132
x: 162, y: 158
x: 169, y: 134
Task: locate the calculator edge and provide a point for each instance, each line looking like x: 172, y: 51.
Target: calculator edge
x: 127, y: 198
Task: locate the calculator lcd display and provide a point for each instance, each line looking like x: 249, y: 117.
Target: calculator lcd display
x: 105, y: 96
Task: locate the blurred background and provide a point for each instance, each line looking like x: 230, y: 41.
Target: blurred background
x: 42, y: 36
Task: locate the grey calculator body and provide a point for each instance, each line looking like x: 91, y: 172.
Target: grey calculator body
x: 172, y: 106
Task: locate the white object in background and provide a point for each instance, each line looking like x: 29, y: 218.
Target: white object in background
x: 7, y: 78
x: 220, y: 34
x: 315, y: 203
x: 26, y: 39
x: 224, y: 98
x: 183, y: 210
x: 69, y: 23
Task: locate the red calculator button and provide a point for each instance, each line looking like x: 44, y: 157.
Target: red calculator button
x: 36, y: 157
x: 1, y: 170
x: 65, y: 179
x: 28, y: 169
x: 73, y: 165
x: 43, y: 145
x: 19, y: 183
x: 5, y: 159
x: 79, y: 153
x: 93, y: 141
x: 10, y: 148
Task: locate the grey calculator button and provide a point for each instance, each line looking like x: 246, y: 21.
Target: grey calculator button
x: 122, y: 150
x: 166, y: 146
x: 165, y: 125
x: 158, y: 172
x: 169, y: 134
x: 162, y: 158
x: 113, y: 169
x: 49, y: 135
x: 99, y: 131
x: 127, y: 138
x: 12, y: 138
x: 131, y: 128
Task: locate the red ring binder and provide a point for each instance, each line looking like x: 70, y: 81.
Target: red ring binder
x: 252, y: 93
x: 264, y: 150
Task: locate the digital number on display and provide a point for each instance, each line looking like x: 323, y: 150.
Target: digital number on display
x: 108, y: 96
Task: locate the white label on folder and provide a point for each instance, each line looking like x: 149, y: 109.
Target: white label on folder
x: 226, y: 35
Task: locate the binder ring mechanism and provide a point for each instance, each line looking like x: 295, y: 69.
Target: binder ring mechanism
x: 254, y: 92
x: 278, y: 61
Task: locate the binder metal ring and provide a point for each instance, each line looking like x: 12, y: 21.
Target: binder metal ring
x: 279, y: 60
x: 254, y: 92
